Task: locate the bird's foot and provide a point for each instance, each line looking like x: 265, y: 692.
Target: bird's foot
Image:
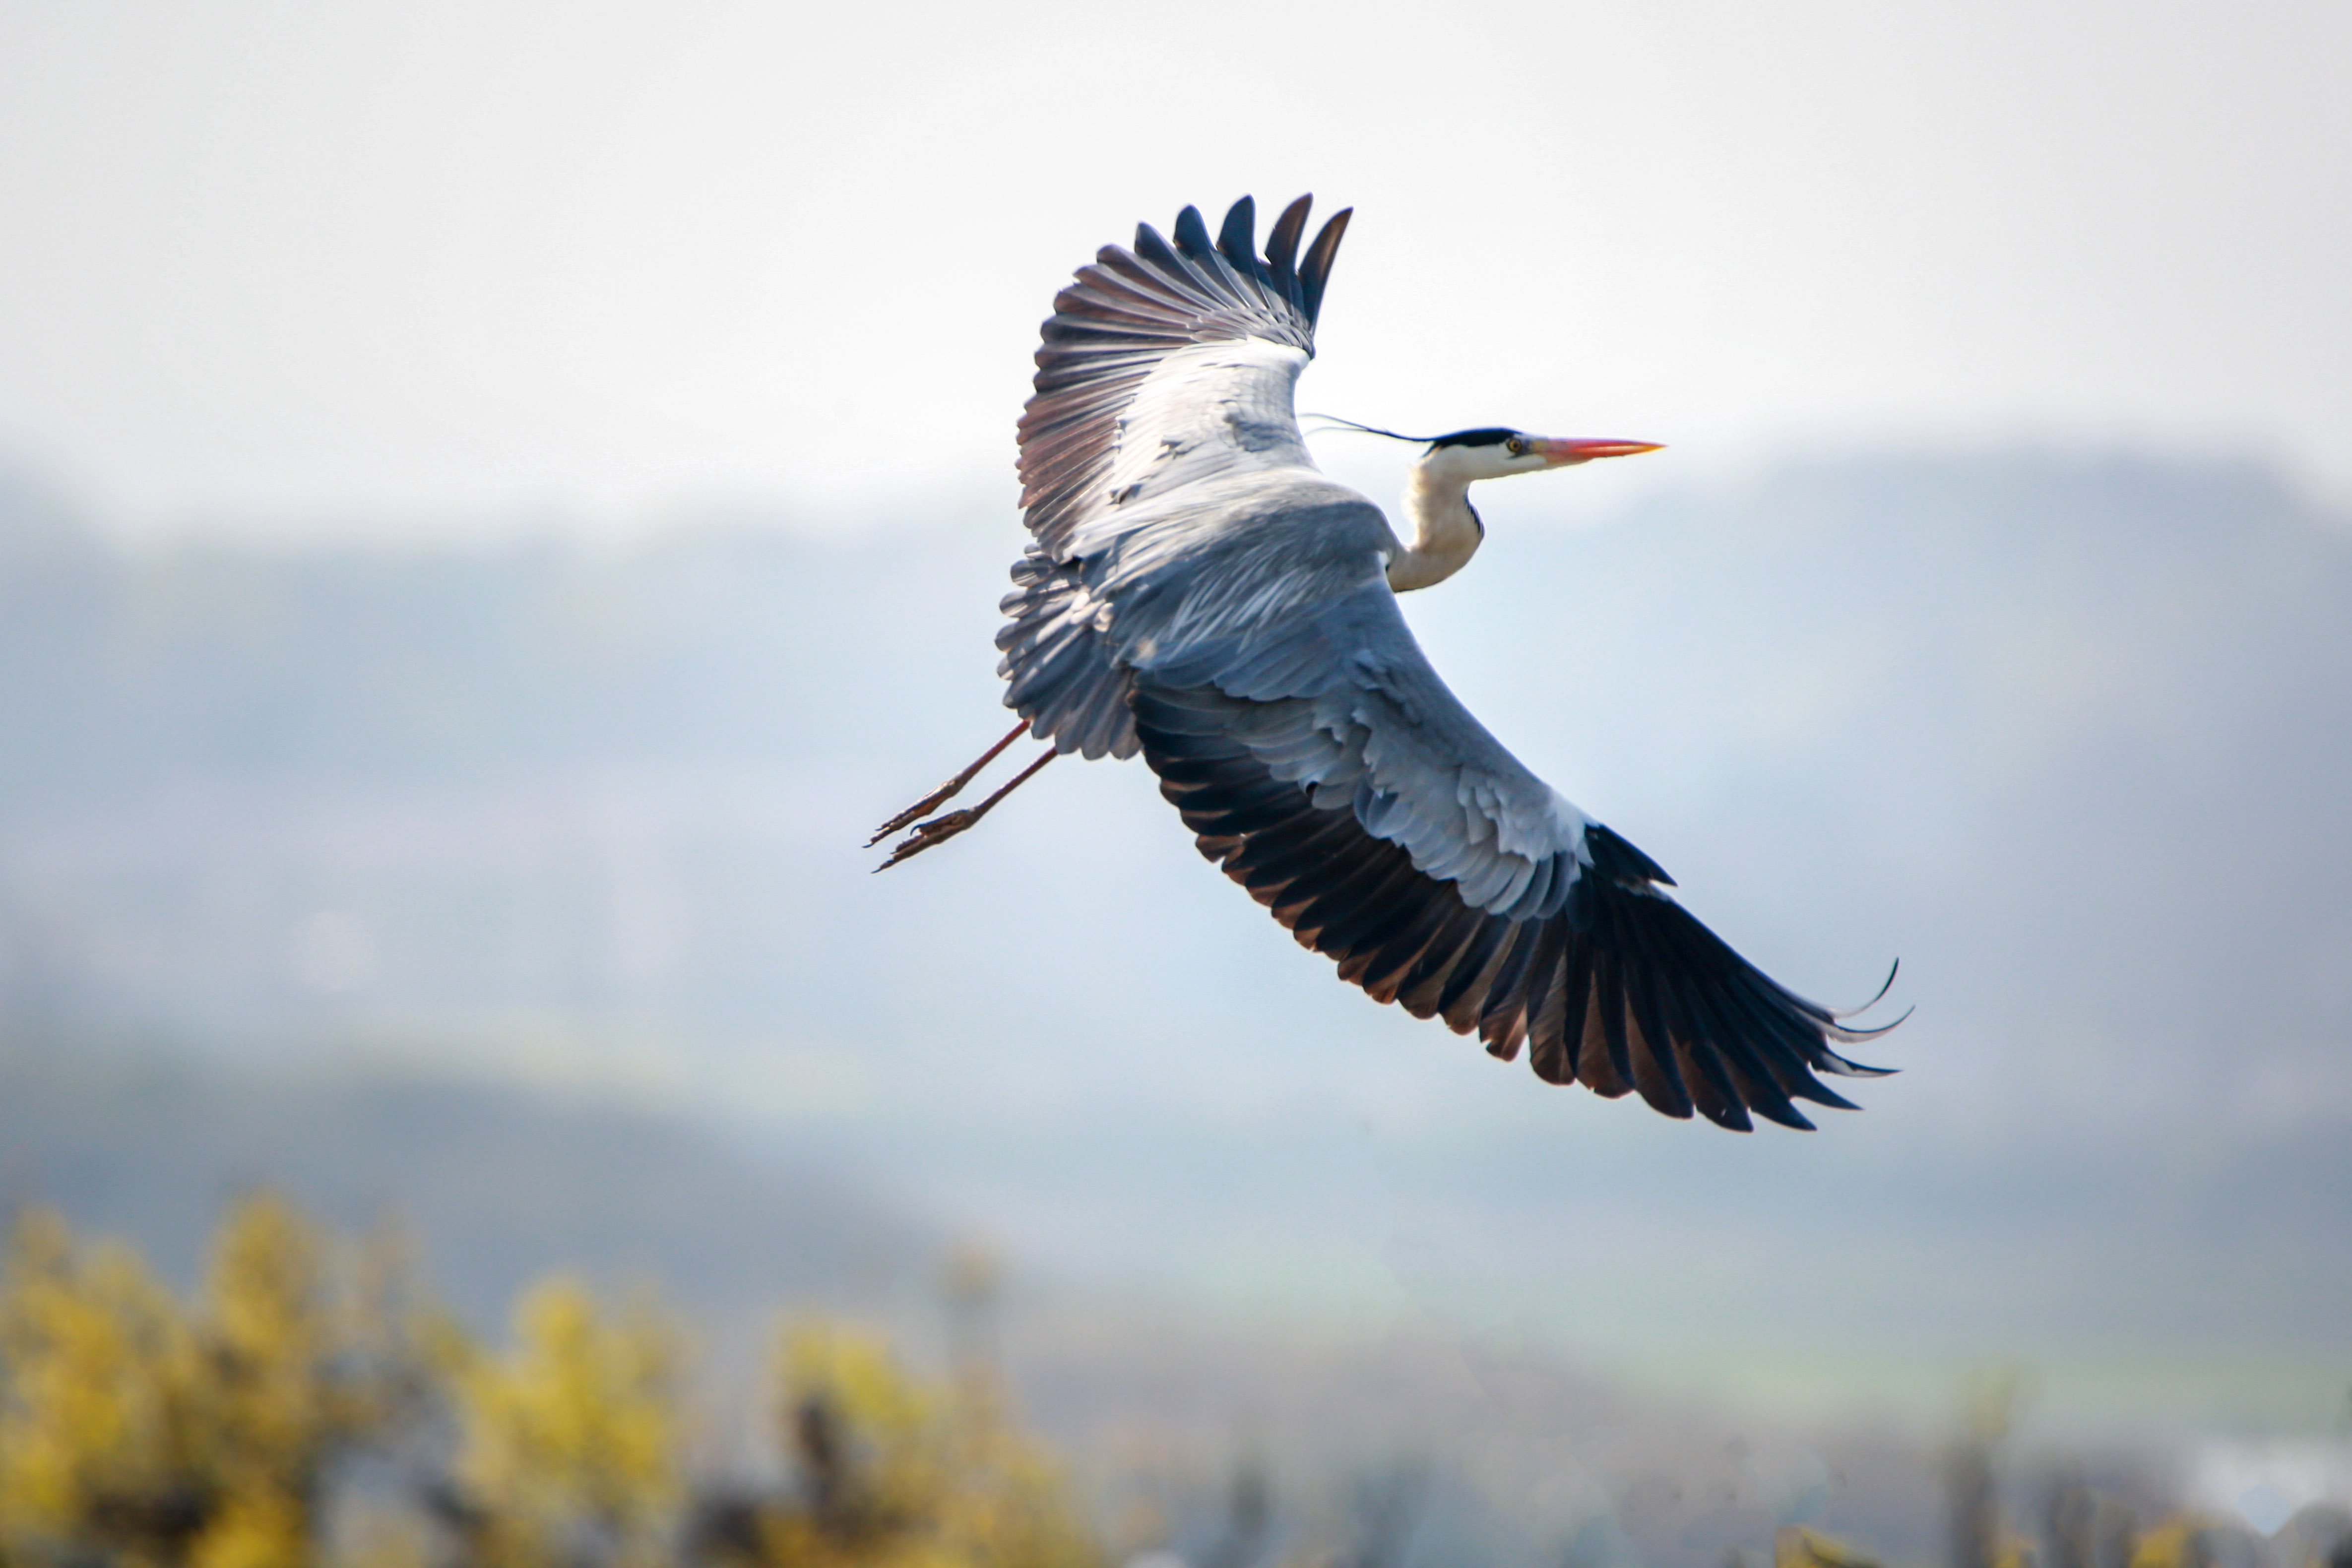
x: 945, y: 793
x: 938, y: 831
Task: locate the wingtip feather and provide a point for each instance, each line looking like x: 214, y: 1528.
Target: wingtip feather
x: 1282, y: 249
x: 1237, y: 239
x: 1192, y: 234
x: 1317, y: 271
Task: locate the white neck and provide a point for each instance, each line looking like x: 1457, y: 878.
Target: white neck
x: 1445, y: 532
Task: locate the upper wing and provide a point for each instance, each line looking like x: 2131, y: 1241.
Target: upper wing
x: 1164, y: 369
x: 1166, y: 364
x: 1325, y: 768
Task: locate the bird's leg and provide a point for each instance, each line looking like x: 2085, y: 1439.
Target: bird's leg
x: 947, y: 791
x: 938, y: 830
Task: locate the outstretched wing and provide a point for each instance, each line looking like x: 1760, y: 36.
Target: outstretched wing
x: 1171, y: 364
x: 1325, y: 768
x: 1163, y: 368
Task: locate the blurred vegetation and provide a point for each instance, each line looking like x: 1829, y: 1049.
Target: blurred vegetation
x: 308, y: 1403
x: 139, y: 1429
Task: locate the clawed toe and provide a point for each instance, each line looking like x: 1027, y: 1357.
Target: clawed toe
x: 938, y: 831
x: 917, y: 809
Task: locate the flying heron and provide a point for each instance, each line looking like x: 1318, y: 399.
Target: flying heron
x: 1195, y: 590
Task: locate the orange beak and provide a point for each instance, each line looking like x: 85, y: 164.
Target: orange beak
x: 1561, y: 454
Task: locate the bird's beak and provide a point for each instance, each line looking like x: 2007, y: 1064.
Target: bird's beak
x: 1562, y: 453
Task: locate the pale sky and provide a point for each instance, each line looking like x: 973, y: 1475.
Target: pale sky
x: 307, y: 264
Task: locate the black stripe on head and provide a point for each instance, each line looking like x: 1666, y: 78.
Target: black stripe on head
x: 1492, y: 435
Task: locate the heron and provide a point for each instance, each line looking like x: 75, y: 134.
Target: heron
x: 1196, y: 591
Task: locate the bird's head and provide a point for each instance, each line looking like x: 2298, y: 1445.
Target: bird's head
x: 1447, y: 529
x: 1496, y: 453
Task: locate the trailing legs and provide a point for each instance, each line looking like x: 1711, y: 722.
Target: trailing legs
x: 938, y: 830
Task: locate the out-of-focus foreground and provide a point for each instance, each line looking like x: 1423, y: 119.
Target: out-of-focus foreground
x: 310, y: 1404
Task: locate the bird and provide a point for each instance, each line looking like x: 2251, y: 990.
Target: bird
x: 1196, y: 591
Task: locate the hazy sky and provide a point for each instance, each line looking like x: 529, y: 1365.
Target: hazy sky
x: 274, y: 257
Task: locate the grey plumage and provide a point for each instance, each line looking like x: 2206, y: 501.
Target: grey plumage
x: 1196, y: 591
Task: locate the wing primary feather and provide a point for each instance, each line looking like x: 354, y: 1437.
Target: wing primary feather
x: 1459, y: 1003
x: 1576, y: 1001
x: 1841, y: 1014
x: 1419, y: 990
x: 1548, y: 1044
x: 1778, y: 1045
x: 1316, y: 889
x: 1788, y: 1036
x: 1376, y: 918
x: 1183, y: 771
x: 1656, y: 1073
x: 1282, y: 251
x: 1646, y: 968
x: 1381, y: 970
x: 1543, y: 968
x: 1730, y: 1080
x: 1237, y: 240
x: 1757, y: 1090
x: 1227, y: 808
x: 1595, y: 1064
x: 1235, y: 283
x: 1846, y: 1069
x: 1765, y: 1069
x: 1225, y: 800
x: 1799, y: 1053
x: 1717, y: 1097
x: 1316, y: 272
x: 1713, y: 1092
x: 1504, y: 1012
x: 1655, y: 1077
x: 1153, y: 270
x: 1313, y: 899
x: 1780, y: 1017
x: 1276, y: 882
x: 1375, y: 967
x: 1174, y: 272
x: 1612, y: 1019
x: 1192, y: 237
x: 1280, y: 853
x: 1505, y: 1002
x: 1541, y: 1024
x: 1721, y: 1093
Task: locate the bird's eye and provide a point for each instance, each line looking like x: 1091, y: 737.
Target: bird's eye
x: 1515, y: 447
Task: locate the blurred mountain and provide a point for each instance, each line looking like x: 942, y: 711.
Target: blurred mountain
x: 2071, y: 735
x: 498, y: 1184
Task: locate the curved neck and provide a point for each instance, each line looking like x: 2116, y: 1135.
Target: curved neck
x: 1446, y: 531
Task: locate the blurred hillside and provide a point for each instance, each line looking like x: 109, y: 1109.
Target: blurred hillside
x: 2070, y: 736
x: 509, y: 1184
